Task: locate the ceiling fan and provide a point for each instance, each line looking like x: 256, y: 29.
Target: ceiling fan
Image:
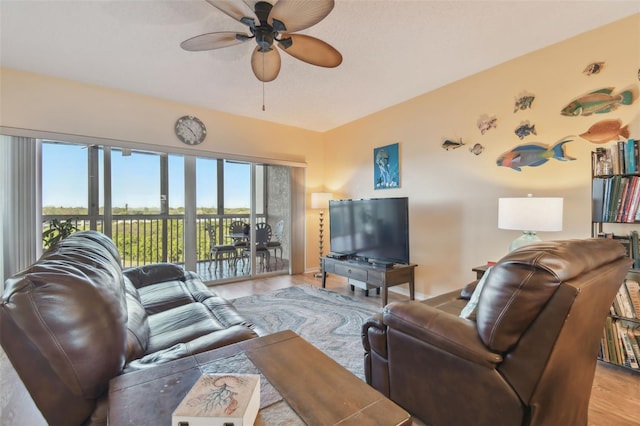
x: 269, y: 23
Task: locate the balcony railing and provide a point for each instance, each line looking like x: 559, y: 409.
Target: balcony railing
x: 146, y: 239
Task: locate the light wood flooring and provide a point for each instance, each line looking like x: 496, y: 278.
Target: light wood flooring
x: 615, y: 396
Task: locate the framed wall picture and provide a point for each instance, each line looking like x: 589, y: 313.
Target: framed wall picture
x: 386, y: 167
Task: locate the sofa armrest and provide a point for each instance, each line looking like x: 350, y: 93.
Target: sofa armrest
x: 142, y: 276
x: 445, y: 331
x: 374, y: 335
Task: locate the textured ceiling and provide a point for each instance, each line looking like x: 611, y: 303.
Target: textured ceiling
x: 393, y: 50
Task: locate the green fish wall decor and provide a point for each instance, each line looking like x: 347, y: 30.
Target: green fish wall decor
x: 600, y: 101
x: 523, y: 103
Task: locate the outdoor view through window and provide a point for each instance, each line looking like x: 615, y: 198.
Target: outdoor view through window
x: 145, y: 220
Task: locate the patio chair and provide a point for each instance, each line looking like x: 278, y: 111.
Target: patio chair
x: 220, y: 252
x: 263, y: 236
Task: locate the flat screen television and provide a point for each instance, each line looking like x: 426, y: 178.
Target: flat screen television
x: 374, y: 230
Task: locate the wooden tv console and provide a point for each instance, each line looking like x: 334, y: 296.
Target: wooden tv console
x: 372, y: 275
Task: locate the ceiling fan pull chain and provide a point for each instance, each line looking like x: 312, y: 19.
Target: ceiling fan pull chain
x: 263, y: 82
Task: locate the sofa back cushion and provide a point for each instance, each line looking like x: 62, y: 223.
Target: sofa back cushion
x: 137, y: 324
x: 63, y: 325
x: 523, y: 281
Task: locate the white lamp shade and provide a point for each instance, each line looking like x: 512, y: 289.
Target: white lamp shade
x: 530, y: 214
x: 320, y: 200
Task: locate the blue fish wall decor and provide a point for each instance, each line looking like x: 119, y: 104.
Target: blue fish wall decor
x: 533, y: 155
x: 525, y: 130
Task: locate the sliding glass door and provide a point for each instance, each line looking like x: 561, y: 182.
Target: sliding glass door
x: 160, y: 207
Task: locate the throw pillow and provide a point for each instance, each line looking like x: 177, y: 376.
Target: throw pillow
x: 469, y: 311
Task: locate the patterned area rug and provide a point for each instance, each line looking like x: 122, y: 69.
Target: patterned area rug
x: 330, y: 321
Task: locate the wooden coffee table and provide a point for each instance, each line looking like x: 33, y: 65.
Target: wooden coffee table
x: 319, y: 390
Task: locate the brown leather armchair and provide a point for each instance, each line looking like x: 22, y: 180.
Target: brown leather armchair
x: 527, y: 358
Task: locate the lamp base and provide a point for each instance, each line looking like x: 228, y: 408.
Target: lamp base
x: 527, y: 237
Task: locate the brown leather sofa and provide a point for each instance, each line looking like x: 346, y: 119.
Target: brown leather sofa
x: 75, y: 319
x: 527, y: 358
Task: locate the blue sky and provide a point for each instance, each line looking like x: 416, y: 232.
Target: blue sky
x: 136, y: 179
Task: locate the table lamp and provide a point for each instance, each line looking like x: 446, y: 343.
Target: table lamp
x: 529, y: 215
x: 320, y: 201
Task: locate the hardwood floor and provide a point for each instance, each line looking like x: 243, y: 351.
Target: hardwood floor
x: 615, y: 396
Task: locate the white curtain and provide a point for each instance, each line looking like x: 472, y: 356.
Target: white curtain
x: 20, y: 204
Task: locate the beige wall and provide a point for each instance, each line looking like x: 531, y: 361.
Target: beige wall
x: 39, y: 103
x: 453, y: 195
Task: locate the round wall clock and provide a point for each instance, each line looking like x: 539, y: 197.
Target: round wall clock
x: 190, y: 130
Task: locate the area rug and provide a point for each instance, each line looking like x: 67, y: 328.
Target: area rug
x: 330, y: 321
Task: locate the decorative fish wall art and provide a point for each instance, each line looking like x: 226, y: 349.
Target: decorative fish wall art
x: 605, y: 131
x: 593, y: 68
x: 523, y: 102
x: 600, y: 101
x: 533, y: 155
x: 486, y: 123
x: 525, y: 129
x: 449, y: 144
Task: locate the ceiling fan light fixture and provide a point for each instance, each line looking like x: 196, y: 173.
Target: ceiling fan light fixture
x: 264, y: 40
x: 268, y: 23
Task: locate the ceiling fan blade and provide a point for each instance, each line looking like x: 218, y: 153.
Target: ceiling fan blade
x: 265, y: 65
x: 312, y: 50
x: 212, y: 41
x: 300, y: 14
x: 237, y: 9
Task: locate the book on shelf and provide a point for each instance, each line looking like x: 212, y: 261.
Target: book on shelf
x: 634, y: 338
x: 621, y: 147
x: 631, y: 244
x: 632, y: 200
x: 610, y: 341
x: 598, y: 199
x: 620, y: 343
x: 220, y: 400
x: 626, y: 351
x: 622, y: 199
x: 633, y: 288
x: 624, y: 301
x: 614, y: 200
x: 624, y: 156
x: 630, y: 158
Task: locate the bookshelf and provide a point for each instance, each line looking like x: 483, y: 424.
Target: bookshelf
x: 615, y: 183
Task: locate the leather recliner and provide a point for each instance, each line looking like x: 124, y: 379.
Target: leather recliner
x: 528, y: 357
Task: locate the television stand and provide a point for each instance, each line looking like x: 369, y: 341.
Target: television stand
x: 372, y: 275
